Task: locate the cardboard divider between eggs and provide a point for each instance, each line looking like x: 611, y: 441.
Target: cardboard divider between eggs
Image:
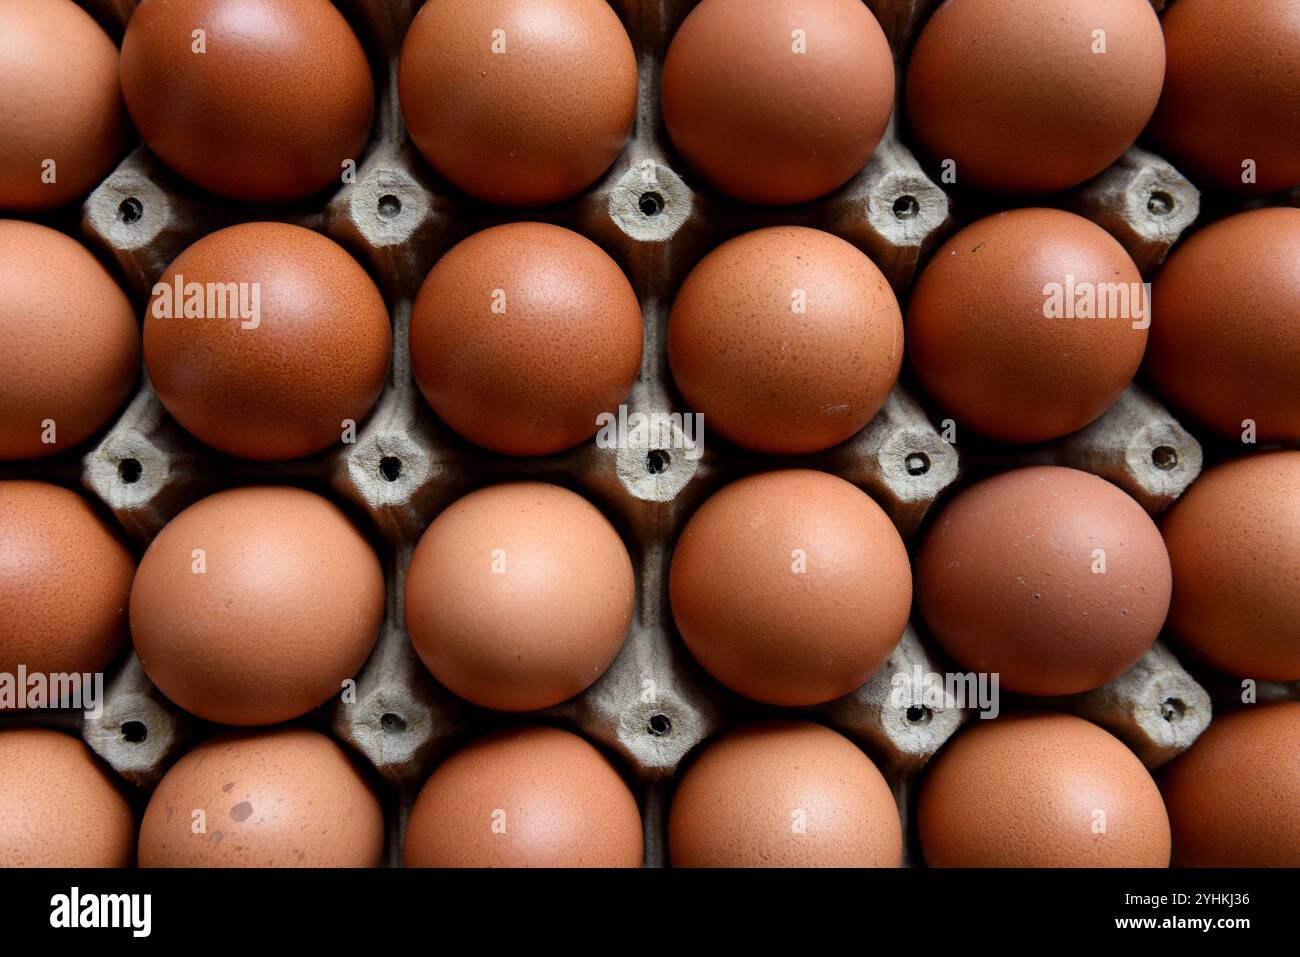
x: 654, y: 705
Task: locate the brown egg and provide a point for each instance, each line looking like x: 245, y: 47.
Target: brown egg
x: 518, y: 102
x: 784, y: 794
x: 61, y: 104
x: 267, y: 340
x: 787, y: 339
x: 69, y: 341
x: 1040, y: 789
x: 1234, y: 541
x: 1032, y: 97
x: 1234, y: 798
x: 266, y: 105
x: 254, y: 605
x: 790, y: 587
x: 65, y: 579
x: 778, y: 104
x: 519, y: 596
x: 1051, y: 577
x: 1232, y: 93
x: 1027, y: 325
x: 525, y: 797
x: 59, y: 807
x: 284, y: 797
x: 1225, y: 336
x: 522, y: 335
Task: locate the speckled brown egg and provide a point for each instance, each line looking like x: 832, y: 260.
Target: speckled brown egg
x: 519, y: 596
x: 284, y: 797
x: 1027, y: 325
x: 65, y: 579
x: 59, y: 807
x: 525, y: 797
x: 69, y: 342
x: 1234, y: 541
x: 1234, y: 798
x: 1031, y: 97
x: 790, y: 587
x: 255, y: 604
x: 787, y: 339
x: 518, y: 102
x: 1230, y: 113
x: 783, y: 794
x: 275, y: 345
x: 522, y: 335
x: 64, y: 120
x: 266, y: 105
x: 1040, y: 789
x: 777, y: 103
x: 1052, y: 577
x: 1225, y: 334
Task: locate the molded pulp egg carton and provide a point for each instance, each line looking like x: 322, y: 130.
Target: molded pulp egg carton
x: 655, y: 705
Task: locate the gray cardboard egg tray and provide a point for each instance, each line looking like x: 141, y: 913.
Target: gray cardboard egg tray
x: 654, y: 705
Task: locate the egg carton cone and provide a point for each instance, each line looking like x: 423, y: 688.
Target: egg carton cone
x: 655, y: 706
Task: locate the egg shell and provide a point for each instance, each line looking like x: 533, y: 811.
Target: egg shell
x: 1232, y: 93
x: 253, y: 605
x: 1020, y: 95
x: 1234, y: 541
x: 525, y: 797
x: 58, y: 806
x: 1225, y: 330
x: 284, y: 797
x: 61, y: 101
x: 1008, y: 580
x: 790, y: 587
x: 1040, y: 789
x: 519, y: 596
x: 783, y: 794
x: 1234, y: 798
x: 523, y: 335
x: 980, y: 339
x: 283, y: 383
x: 787, y: 339
x: 776, y: 103
x: 65, y: 580
x: 69, y: 342
x: 518, y: 102
x: 279, y: 97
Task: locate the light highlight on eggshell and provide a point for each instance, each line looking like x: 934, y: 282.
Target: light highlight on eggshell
x: 61, y: 104
x: 523, y: 335
x: 527, y: 797
x: 1225, y: 332
x: 776, y: 103
x: 270, y: 107
x: 790, y: 587
x: 1234, y: 541
x: 278, y: 376
x: 787, y: 339
x: 59, y: 807
x: 1001, y: 333
x: 253, y: 605
x: 1234, y: 797
x: 1030, y: 97
x: 286, y: 797
x: 519, y: 596
x: 1230, y: 111
x: 518, y: 102
x: 65, y: 579
x: 1040, y: 789
x: 69, y: 342
x: 783, y: 794
x: 1051, y: 577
